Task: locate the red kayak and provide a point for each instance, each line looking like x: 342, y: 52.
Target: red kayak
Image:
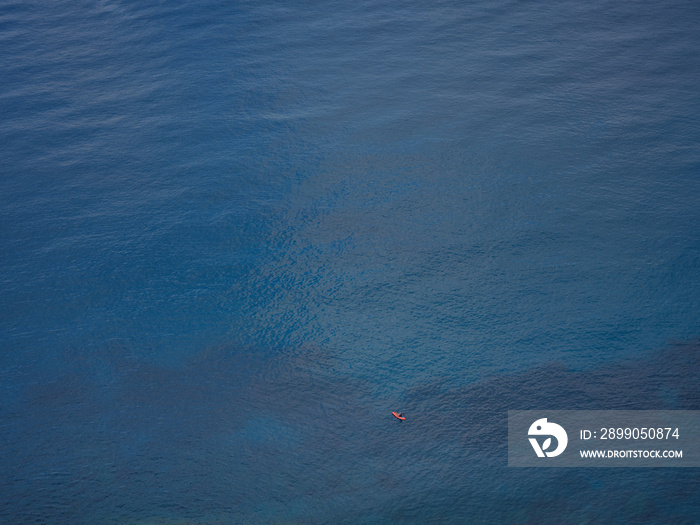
x: 399, y: 416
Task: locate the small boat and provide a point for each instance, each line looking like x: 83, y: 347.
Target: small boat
x: 399, y: 416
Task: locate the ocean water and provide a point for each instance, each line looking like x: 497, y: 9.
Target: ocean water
x: 235, y: 235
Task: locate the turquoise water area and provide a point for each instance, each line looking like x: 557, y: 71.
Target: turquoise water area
x: 236, y: 235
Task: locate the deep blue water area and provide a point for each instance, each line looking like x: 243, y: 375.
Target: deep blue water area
x: 235, y: 235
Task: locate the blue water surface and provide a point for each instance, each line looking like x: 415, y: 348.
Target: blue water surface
x: 235, y: 235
